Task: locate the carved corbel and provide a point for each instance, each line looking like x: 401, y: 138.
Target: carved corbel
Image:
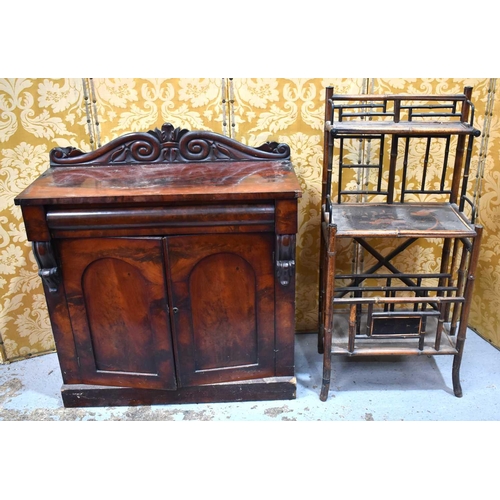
x: 285, y: 258
x: 45, y: 258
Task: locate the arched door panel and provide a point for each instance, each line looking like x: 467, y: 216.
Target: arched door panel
x: 118, y: 308
x: 222, y: 293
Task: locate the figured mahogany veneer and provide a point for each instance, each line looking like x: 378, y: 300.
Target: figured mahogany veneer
x: 188, y: 182
x: 168, y: 263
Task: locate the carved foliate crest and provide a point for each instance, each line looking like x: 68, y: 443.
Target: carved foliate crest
x: 169, y: 145
x: 168, y: 133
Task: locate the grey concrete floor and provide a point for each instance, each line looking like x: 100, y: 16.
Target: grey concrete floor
x: 362, y: 389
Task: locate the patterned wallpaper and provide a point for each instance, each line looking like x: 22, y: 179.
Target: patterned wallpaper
x: 39, y: 114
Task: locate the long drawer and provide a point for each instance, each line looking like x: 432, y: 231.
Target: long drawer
x: 160, y: 220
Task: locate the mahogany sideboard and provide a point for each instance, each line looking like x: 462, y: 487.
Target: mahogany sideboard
x: 168, y: 264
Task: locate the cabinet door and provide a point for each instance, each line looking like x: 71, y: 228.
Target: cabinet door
x: 222, y: 298
x: 116, y: 292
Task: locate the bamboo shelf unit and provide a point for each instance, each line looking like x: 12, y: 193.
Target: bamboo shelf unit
x: 396, y: 176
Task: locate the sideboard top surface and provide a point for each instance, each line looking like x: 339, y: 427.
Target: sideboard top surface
x: 163, y: 183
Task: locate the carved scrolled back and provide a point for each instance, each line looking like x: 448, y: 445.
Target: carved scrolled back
x: 130, y: 148
x: 169, y: 145
x: 209, y: 146
x: 45, y: 258
x: 285, y: 258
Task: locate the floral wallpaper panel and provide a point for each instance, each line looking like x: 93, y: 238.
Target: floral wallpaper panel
x: 35, y: 116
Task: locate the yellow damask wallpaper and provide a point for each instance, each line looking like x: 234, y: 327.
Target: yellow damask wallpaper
x: 35, y: 116
x: 39, y: 114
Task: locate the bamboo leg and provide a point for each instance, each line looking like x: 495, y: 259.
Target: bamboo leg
x: 455, y: 374
x: 445, y: 259
x: 325, y: 193
x: 462, y: 329
x: 451, y: 281
x: 443, y: 307
x: 439, y: 330
x: 353, y: 321
x: 328, y: 313
x: 462, y: 271
x: 327, y: 363
x: 321, y: 305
